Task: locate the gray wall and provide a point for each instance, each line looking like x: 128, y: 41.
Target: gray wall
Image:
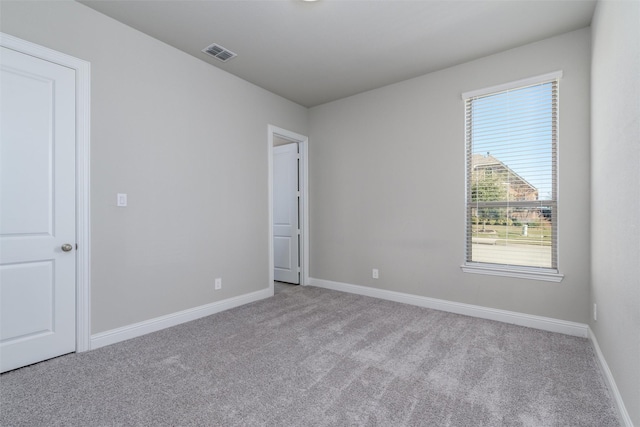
x: 387, y: 184
x: 615, y: 207
x: 188, y: 143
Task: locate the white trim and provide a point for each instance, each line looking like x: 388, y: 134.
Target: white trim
x: 611, y: 383
x: 304, y: 177
x: 529, y: 81
x: 521, y: 273
x: 152, y: 325
x: 521, y: 319
x: 303, y: 144
x: 83, y: 215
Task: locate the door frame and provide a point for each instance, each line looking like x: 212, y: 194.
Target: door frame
x: 83, y: 93
x: 303, y: 177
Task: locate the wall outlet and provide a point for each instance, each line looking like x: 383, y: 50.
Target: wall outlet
x: 375, y: 274
x: 595, y: 311
x: 218, y: 284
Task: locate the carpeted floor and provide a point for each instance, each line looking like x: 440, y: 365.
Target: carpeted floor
x: 315, y: 357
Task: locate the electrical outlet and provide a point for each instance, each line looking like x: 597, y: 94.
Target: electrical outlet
x: 218, y: 284
x: 595, y: 311
x: 375, y: 273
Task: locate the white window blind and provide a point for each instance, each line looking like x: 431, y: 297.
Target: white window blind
x: 511, y: 139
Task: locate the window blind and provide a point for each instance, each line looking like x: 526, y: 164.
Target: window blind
x: 511, y: 151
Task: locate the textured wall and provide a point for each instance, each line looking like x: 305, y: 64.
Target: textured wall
x: 387, y: 180
x: 615, y: 207
x: 188, y: 143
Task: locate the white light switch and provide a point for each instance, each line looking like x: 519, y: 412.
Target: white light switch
x: 122, y: 200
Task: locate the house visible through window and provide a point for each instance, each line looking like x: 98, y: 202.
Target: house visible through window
x: 512, y: 137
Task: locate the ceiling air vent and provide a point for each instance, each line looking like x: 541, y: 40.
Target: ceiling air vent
x: 219, y: 52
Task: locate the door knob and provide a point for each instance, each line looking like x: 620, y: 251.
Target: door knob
x: 67, y: 247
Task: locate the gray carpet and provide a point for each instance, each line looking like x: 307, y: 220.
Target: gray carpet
x: 314, y: 357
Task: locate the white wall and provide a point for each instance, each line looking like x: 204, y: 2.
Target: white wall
x: 615, y: 205
x: 387, y: 180
x: 187, y: 142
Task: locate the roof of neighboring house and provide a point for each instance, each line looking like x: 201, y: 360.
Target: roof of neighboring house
x: 480, y: 160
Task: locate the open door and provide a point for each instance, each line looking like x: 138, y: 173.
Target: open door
x: 286, y: 213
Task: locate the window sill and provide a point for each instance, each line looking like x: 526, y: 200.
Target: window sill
x: 547, y: 275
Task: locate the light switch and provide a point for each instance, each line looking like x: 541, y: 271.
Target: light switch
x: 122, y: 200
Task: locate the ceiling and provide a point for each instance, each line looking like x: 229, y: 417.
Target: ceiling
x: 316, y: 52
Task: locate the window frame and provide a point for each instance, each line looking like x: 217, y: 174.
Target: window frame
x: 507, y: 270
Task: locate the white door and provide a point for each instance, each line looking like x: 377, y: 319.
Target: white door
x: 286, y: 259
x: 37, y: 210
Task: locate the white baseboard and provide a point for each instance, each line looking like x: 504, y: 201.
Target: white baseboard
x: 152, y: 325
x: 611, y: 383
x: 528, y: 320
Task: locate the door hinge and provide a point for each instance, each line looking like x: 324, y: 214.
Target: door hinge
x: 298, y: 193
x: 76, y: 246
x: 298, y: 231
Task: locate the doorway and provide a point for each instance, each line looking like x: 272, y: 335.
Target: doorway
x: 286, y: 211
x: 282, y: 244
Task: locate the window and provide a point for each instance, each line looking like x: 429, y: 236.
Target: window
x: 511, y: 191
